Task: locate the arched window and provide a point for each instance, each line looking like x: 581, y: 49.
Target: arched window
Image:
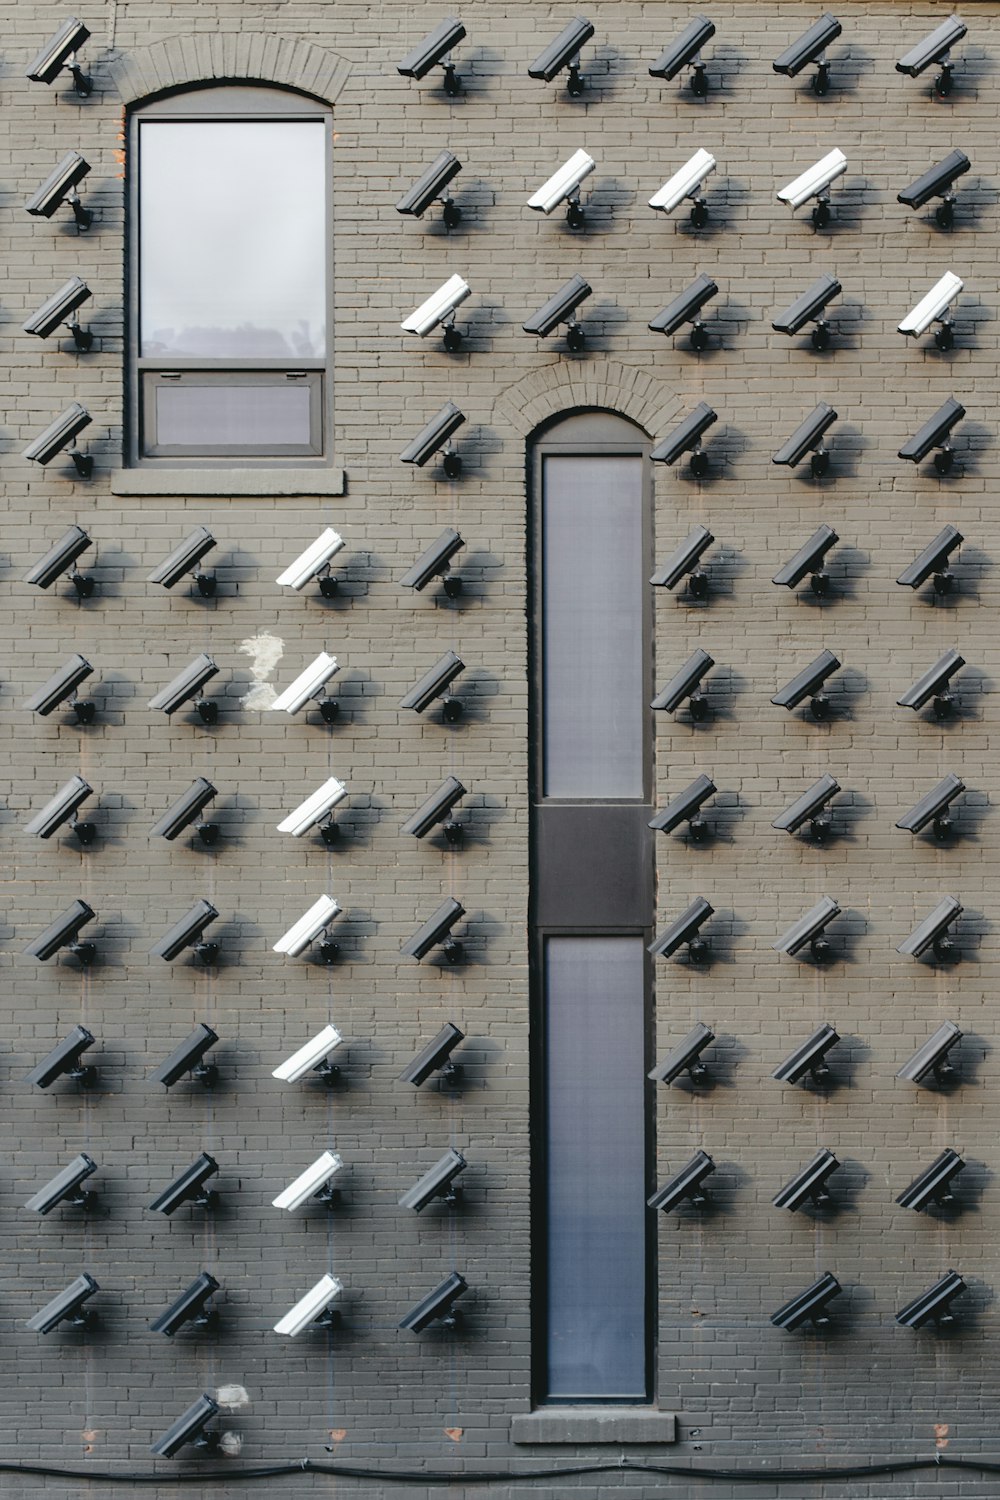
x: 230, y: 277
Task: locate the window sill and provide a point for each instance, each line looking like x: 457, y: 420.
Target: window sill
x: 595, y: 1424
x: 262, y: 483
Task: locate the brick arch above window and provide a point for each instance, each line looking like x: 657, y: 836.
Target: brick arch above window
x: 193, y: 58
x: 561, y: 388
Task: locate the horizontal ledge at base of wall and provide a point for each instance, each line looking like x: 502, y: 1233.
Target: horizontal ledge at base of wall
x: 595, y: 1424
x: 259, y: 483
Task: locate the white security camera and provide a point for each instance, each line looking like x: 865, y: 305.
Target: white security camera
x: 685, y: 184
x: 308, y: 928
x: 815, y: 183
x: 564, y: 186
x: 312, y: 1058
x: 440, y: 307
x: 312, y: 1310
x: 312, y: 562
x: 312, y: 1183
x: 314, y: 808
x: 933, y: 309
x: 309, y: 684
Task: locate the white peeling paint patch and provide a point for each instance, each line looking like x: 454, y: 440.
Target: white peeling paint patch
x: 265, y: 651
x: 232, y: 1397
x: 231, y: 1444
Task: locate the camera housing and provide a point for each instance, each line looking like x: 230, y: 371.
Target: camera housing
x: 185, y: 559
x: 308, y: 928
x: 685, y: 1184
x: 809, y: 308
x: 60, y: 187
x: 938, y: 182
x: 435, y: 1058
x: 189, y: 1307
x: 933, y: 933
x: 435, y: 930
x: 684, y: 561
x: 60, y: 52
x: 438, y: 1306
x: 62, y: 933
x: 809, y: 559
x: 686, y: 308
x: 431, y: 186
x: 933, y: 308
x: 434, y: 811
x: 189, y: 1058
x: 433, y: 684
x: 440, y: 308
x: 810, y: 808
x: 809, y: 1306
x: 58, y: 688
x: 60, y: 809
x: 185, y: 686
x: 934, y: 560
x: 64, y: 1060
x: 564, y: 187
x: 685, y: 685
x: 438, y: 1182
x: 933, y: 1186
x: 683, y: 52
x: 434, y: 562
x: 58, y: 435
x: 314, y: 562
x: 564, y: 52
x: 685, y: 184
x: 309, y: 685
x: 936, y: 684
x: 67, y: 1307
x: 934, y: 1305
x: 686, y: 929
x: 65, y: 1187
x: 61, y: 308
x: 190, y: 1428
x: 934, y: 48
x: 809, y: 48
x: 62, y: 555
x: 815, y: 182
x: 685, y: 1058
x: 808, y: 438
x: 561, y: 308
x: 686, y: 438
x: 810, y: 929
x: 434, y: 49
x: 314, y: 810
x: 189, y: 1188
x: 809, y: 1185
x: 933, y: 808
x: 313, y: 1057
x: 933, y: 1058
x: 186, y: 933
x: 435, y: 435
x: 182, y: 813
x: 936, y: 433
x: 315, y: 1184
x: 809, y: 1058
x: 313, y: 1310
x: 686, y: 808
x: 809, y: 684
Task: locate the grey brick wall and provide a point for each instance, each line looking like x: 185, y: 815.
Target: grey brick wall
x: 745, y: 1393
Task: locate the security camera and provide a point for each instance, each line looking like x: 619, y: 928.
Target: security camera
x: 189, y: 1058
x: 683, y: 52
x: 62, y: 933
x: 809, y: 308
x: 935, y: 684
x: 937, y: 182
x: 58, y: 435
x: 810, y: 808
x: 685, y: 561
x: 685, y: 184
x: 435, y: 809
x: 189, y: 1187
x: 687, y: 1183
x: 189, y: 1428
x: 686, y: 808
x: 59, y: 557
x: 434, y: 49
x: 68, y: 1307
x: 59, y: 309
x: 434, y: 562
x: 309, y: 685
x: 934, y: 48
x: 685, y: 1058
x: 431, y: 186
x: 433, y: 684
x: 934, y: 1305
x: 809, y: 559
x: 60, y: 187
x: 933, y: 1057
x: 686, y: 308
x: 187, y: 934
x: 686, y: 438
x: 934, y: 560
x: 184, y: 687
x: 564, y: 52
x: 808, y: 437
x: 439, y: 1182
x: 314, y: 1057
x: 809, y: 1059
x: 314, y: 1184
x: 685, y: 930
x: 564, y: 187
x: 435, y: 435
x: 60, y: 809
x: 435, y: 1058
x: 809, y: 48
x: 65, y: 1187
x: 809, y: 1306
x: 934, y: 1184
x: 685, y: 684
x: 185, y: 559
x: 59, y: 687
x: 314, y: 562
x: 316, y: 810
x: 64, y: 1060
x: 308, y: 928
x: 936, y: 433
x: 809, y: 929
x: 933, y: 933
x: 808, y: 684
x: 313, y: 1310
x: 60, y: 52
x: 816, y: 182
x: 437, y: 929
x: 562, y: 309
x: 809, y: 1184
x: 189, y: 1307
x: 934, y: 807
x: 934, y: 309
x: 182, y: 813
x: 438, y: 1306
x: 440, y: 308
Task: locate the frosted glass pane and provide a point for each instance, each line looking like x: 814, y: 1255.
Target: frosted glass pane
x: 232, y: 239
x: 232, y: 416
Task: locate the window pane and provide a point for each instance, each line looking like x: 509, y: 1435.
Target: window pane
x: 595, y: 1179
x: 233, y: 239
x: 593, y: 591
x: 206, y: 416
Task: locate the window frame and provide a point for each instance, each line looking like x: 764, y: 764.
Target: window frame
x: 226, y: 102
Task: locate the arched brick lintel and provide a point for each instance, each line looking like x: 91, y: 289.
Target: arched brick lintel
x: 567, y: 386
x: 232, y: 57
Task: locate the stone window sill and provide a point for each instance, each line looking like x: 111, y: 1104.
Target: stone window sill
x: 259, y: 483
x: 595, y: 1424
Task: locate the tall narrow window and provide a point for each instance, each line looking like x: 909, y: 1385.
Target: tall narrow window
x: 591, y: 906
x: 230, y: 276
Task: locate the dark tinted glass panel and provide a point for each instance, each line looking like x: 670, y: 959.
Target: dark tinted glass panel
x: 595, y: 1168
